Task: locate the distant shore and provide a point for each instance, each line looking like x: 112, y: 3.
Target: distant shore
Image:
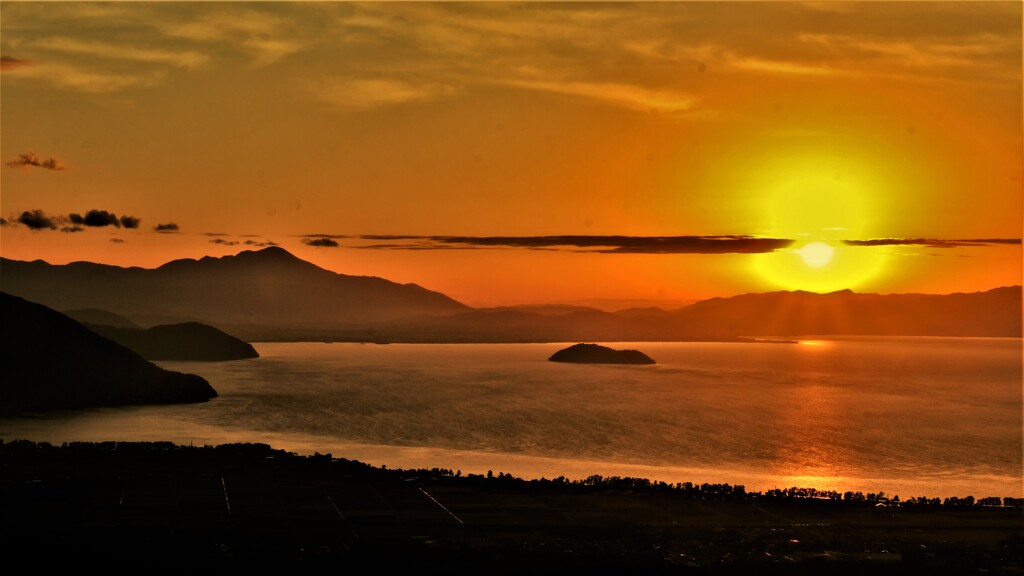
x: 249, y: 504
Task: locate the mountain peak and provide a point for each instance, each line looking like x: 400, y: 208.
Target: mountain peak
x: 268, y: 254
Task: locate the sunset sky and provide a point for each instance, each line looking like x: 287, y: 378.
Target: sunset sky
x: 610, y: 154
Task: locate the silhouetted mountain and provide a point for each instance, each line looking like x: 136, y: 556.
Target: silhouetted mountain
x: 995, y: 313
x: 596, y: 354
x: 100, y: 318
x: 187, y: 341
x: 52, y: 362
x: 272, y: 295
x: 269, y: 287
x: 542, y: 309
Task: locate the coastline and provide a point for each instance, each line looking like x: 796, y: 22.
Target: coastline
x: 249, y: 504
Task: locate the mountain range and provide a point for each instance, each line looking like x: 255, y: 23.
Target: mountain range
x: 269, y: 287
x: 270, y: 294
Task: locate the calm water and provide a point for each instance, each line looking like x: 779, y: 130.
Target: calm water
x: 908, y: 416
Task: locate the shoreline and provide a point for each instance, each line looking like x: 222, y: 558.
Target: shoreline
x: 539, y: 468
x: 237, y: 505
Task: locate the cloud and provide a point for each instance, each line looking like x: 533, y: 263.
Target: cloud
x: 80, y: 79
x: 187, y: 59
x: 257, y: 32
x: 4, y: 222
x: 320, y: 242
x: 224, y: 242
x: 781, y: 67
x: 626, y: 95
x: 72, y: 229
x: 96, y: 219
x: 260, y: 244
x: 129, y: 221
x: 168, y: 228
x: 117, y: 240
x: 8, y: 63
x: 216, y: 234
x: 593, y: 244
x: 366, y: 93
x: 37, y: 220
x: 931, y: 242
x: 31, y: 159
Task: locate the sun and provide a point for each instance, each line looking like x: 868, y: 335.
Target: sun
x: 819, y: 201
x: 816, y: 254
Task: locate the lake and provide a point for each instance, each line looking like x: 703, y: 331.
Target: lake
x: 929, y: 417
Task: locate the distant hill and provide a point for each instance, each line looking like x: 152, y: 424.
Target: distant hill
x: 994, y: 313
x: 52, y: 362
x: 597, y: 354
x: 272, y: 295
x: 187, y: 341
x: 100, y: 318
x: 269, y: 287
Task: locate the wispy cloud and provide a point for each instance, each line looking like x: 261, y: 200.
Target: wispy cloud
x: 366, y: 93
x: 80, y: 79
x: 626, y: 95
x: 188, y: 59
x: 31, y: 159
x: 781, y: 67
x: 257, y: 32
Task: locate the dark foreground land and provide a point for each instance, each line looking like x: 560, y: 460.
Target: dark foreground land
x: 158, y: 505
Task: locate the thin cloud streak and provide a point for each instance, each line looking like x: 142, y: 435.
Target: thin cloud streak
x: 932, y: 242
x: 593, y: 244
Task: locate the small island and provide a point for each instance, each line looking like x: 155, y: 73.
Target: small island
x: 597, y: 354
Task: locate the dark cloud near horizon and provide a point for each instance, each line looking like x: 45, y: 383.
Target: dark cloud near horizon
x: 260, y: 244
x: 168, y: 228
x: 31, y: 159
x: 333, y: 236
x: 224, y: 242
x: 37, y: 220
x: 216, y: 234
x: 322, y: 242
x: 70, y: 229
x: 932, y: 242
x: 591, y: 244
x: 117, y: 240
x: 3, y: 221
x: 129, y: 222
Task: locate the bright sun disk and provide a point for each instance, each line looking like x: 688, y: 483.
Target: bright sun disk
x: 816, y: 254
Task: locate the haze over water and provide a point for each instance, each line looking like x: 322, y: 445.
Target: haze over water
x: 929, y: 417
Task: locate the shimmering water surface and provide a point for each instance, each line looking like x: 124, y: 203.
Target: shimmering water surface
x: 910, y: 416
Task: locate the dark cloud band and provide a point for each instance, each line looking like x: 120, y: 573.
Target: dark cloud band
x: 931, y: 242
x: 595, y: 244
x: 322, y: 242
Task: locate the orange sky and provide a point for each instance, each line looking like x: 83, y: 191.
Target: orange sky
x: 816, y: 123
